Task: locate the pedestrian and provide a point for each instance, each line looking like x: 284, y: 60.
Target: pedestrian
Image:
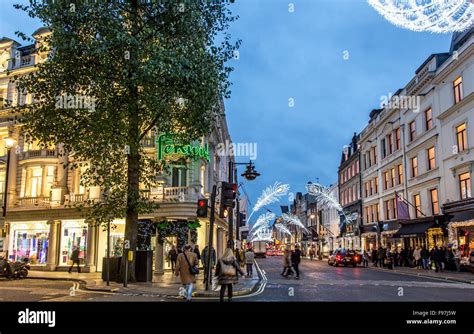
x: 186, y: 265
x: 437, y: 258
x: 410, y: 257
x: 375, y: 256
x: 242, y: 258
x: 365, y: 259
x: 172, y: 257
x: 249, y: 258
x: 287, y: 263
x: 417, y: 257
x: 75, y: 259
x: 204, y: 256
x: 425, y: 258
x: 311, y: 254
x: 197, y: 252
x: 295, y: 260
x: 457, y: 259
x: 403, y: 255
x: 382, y: 256
x: 227, y: 270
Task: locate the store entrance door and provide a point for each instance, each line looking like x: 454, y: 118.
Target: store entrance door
x: 168, y: 243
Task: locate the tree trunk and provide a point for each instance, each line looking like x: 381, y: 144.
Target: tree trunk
x: 133, y: 162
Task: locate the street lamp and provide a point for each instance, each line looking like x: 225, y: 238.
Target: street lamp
x: 9, y: 143
x: 250, y: 174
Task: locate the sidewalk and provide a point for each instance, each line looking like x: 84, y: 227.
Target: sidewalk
x: 165, y: 285
x: 463, y: 277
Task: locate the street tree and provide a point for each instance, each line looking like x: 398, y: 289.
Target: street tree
x: 116, y: 71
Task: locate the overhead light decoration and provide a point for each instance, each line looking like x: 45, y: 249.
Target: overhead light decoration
x: 438, y: 16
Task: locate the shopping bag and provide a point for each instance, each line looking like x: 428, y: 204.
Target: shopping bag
x: 215, y: 281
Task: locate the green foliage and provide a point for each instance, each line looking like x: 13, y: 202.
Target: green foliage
x: 146, y: 65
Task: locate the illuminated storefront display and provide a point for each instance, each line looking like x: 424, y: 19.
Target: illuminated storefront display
x: 73, y: 234
x: 30, y: 241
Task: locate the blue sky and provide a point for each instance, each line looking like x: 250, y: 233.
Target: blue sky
x: 299, y: 55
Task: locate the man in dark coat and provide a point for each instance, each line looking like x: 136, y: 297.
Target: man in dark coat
x: 295, y: 260
x: 204, y: 256
x: 374, y: 257
x: 75, y: 260
x: 437, y: 257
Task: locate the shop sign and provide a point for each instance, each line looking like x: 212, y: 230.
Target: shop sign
x: 166, y: 146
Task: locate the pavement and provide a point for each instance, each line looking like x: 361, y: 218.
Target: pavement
x: 164, y: 285
x: 453, y: 276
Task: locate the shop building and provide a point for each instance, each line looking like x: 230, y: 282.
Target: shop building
x: 349, y: 177
x: 41, y: 222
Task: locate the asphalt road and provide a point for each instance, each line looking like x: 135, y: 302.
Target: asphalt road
x: 321, y: 282
x: 318, y: 282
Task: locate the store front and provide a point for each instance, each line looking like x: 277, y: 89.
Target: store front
x: 368, y: 237
x: 73, y: 235
x: 117, y: 233
x: 29, y: 240
x: 424, y: 232
x: 461, y: 228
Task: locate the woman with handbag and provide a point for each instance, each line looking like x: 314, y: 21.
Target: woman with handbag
x: 187, y: 269
x: 227, y: 270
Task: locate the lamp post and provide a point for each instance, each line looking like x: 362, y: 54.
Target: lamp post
x: 9, y: 143
x: 250, y: 174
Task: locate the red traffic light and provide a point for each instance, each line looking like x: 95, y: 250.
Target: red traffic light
x: 234, y: 187
x: 202, y: 203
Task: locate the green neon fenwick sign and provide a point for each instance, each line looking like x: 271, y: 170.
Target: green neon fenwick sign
x: 167, y: 146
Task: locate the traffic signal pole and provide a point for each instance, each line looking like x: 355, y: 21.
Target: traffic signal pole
x: 230, y: 242
x: 208, y: 273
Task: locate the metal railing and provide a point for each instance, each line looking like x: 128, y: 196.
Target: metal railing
x: 168, y: 194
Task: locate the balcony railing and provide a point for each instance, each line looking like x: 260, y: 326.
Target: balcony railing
x: 169, y: 194
x: 75, y: 198
x: 46, y: 153
x: 40, y: 201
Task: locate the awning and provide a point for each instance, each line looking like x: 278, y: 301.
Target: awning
x: 461, y: 216
x: 413, y: 229
x: 368, y: 229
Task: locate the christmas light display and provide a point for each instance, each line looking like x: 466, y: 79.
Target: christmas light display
x: 439, y: 16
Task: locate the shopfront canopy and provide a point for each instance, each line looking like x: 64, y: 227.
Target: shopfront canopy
x: 413, y: 229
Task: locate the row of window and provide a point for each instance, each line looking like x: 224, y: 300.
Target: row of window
x: 352, y: 170
x: 350, y: 195
x: 431, y: 154
x: 393, y: 177
x: 371, y: 187
x: 372, y: 212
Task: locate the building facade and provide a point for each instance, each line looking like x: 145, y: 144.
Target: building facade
x: 349, y: 178
x: 41, y: 222
x: 417, y: 149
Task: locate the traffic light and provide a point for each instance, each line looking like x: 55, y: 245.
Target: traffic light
x: 202, y: 207
x: 228, y: 194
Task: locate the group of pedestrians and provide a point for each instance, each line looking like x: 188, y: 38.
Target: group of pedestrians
x: 291, y: 260
x: 438, y: 258
x: 227, y: 267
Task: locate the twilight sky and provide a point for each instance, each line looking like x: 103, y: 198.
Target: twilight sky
x: 300, y: 55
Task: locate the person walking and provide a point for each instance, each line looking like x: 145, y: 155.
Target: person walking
x: 437, y: 258
x: 365, y: 259
x: 425, y: 258
x: 457, y: 259
x: 75, y: 259
x: 295, y: 260
x: 227, y: 270
x: 197, y: 252
x: 249, y: 258
x: 204, y: 256
x: 417, y: 257
x: 375, y: 257
x: 172, y: 257
x: 186, y: 265
x: 381, y: 256
x: 287, y: 264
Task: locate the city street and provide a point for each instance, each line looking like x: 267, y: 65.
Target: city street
x: 318, y: 282
x: 321, y: 282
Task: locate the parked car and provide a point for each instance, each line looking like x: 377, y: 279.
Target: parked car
x: 344, y: 257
